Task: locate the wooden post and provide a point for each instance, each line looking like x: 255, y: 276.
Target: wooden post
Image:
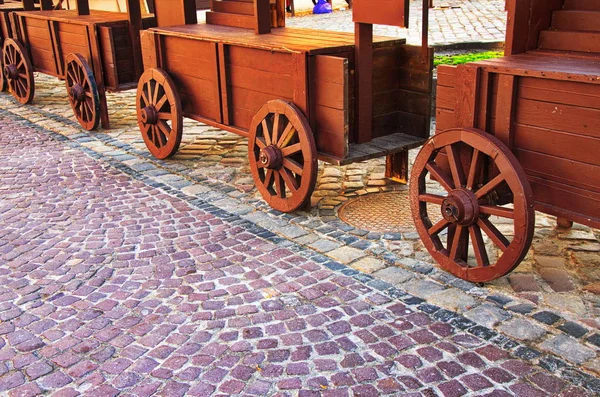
x: 28, y: 5
x: 46, y: 5
x: 262, y: 13
x: 83, y: 7
x: 363, y: 41
x: 134, y: 15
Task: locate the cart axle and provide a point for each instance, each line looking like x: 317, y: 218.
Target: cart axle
x: 11, y: 72
x: 271, y: 157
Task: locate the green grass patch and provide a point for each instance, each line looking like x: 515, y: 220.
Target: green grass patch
x: 464, y: 58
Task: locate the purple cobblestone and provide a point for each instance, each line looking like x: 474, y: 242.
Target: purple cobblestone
x: 170, y: 299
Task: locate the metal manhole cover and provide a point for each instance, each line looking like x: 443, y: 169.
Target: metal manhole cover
x: 379, y: 212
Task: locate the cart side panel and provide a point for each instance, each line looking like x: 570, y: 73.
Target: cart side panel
x: 37, y: 38
x: 556, y: 140
x: 193, y: 66
x: 149, y: 50
x: 402, y: 82
x: 74, y: 38
x: 257, y: 76
x: 5, y: 28
x: 329, y: 104
x: 115, y: 43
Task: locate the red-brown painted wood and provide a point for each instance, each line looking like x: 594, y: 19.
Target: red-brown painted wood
x: 82, y: 91
x: 18, y: 71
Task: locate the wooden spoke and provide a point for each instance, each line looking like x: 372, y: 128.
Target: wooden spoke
x: 438, y: 227
x: 274, y: 137
x: 260, y: 142
x: 458, y: 174
x: 268, y: 179
x: 83, y: 92
x: 439, y: 175
x: 466, y: 216
x: 266, y: 132
x: 161, y: 102
x: 279, y: 185
x: 497, y: 211
x: 459, y: 243
x: 286, y: 155
x: 293, y: 166
x: 289, y: 180
x: 431, y: 198
x: 155, y: 91
x: 488, y: 187
x: 287, y: 135
x: 15, y: 57
x: 493, y: 233
x: 474, y: 169
x: 478, y: 246
x: 292, y: 149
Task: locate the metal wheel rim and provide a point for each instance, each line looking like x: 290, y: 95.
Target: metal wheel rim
x: 510, y: 173
x: 156, y: 89
x: 79, y: 73
x: 282, y: 126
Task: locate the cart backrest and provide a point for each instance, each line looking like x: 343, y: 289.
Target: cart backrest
x: 250, y: 14
x: 175, y: 12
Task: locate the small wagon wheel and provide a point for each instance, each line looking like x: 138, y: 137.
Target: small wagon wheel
x: 282, y: 155
x: 17, y: 71
x: 2, y: 79
x: 159, y: 113
x: 468, y: 201
x: 83, y: 91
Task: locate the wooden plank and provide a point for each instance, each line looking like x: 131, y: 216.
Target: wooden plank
x: 233, y: 7
x: 504, y: 111
x: 467, y: 80
x: 279, y: 63
x: 96, y: 65
x: 260, y: 81
x: 561, y: 92
x: 566, y: 118
x: 576, y: 20
x: 134, y: 15
x: 444, y: 120
x: 262, y: 15
x: 558, y: 143
x: 83, y: 7
x: 58, y: 54
x: 235, y: 20
x: 364, y: 81
x: 300, y: 83
x: 570, y: 41
x: 224, y: 85
x: 540, y: 19
x: 109, y: 58
x: 180, y: 12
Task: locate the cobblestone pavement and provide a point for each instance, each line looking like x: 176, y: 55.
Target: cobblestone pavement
x: 451, y: 22
x: 114, y: 284
x: 551, y: 303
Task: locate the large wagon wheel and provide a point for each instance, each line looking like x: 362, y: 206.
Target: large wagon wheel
x: 159, y: 113
x: 83, y: 91
x: 469, y: 203
x: 17, y: 71
x: 282, y: 155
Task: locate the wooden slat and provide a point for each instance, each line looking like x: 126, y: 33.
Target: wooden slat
x: 235, y: 20
x: 573, y: 119
x: 234, y: 7
x: 576, y: 20
x: 504, y: 112
x: 467, y: 80
x: 570, y: 41
x: 591, y: 5
x: 561, y: 92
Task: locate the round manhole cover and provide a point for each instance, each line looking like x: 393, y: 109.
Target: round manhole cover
x: 379, y: 212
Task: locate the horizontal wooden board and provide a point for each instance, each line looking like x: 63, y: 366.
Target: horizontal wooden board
x: 197, y: 96
x: 564, y: 92
x: 570, y: 41
x: 444, y: 119
x: 279, y: 85
x: 565, y: 118
x: 576, y: 20
x: 560, y: 170
x: 556, y: 143
x: 406, y: 79
x: 279, y: 63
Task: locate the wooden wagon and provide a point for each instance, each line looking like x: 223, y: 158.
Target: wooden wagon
x: 91, y: 50
x: 513, y: 134
x: 298, y: 95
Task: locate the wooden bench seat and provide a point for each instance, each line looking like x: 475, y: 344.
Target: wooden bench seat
x: 544, y: 64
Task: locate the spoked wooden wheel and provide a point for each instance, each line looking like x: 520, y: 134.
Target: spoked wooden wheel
x: 2, y: 79
x: 83, y: 91
x: 454, y: 194
x: 17, y: 71
x: 282, y: 155
x: 159, y: 113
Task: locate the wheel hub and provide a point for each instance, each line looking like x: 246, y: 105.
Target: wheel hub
x: 460, y: 207
x: 271, y: 157
x: 149, y: 115
x: 77, y: 92
x: 11, y: 72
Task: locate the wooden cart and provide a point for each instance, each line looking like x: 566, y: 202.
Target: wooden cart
x: 513, y: 134
x: 298, y: 95
x: 91, y: 50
